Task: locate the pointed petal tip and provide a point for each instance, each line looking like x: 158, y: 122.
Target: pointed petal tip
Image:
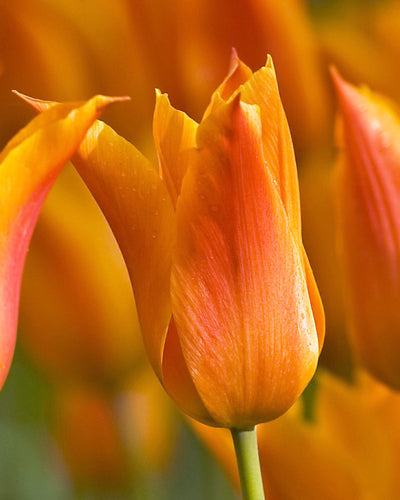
x: 234, y: 61
x: 161, y: 96
x: 345, y: 91
x: 270, y: 63
x: 339, y: 82
x: 41, y: 104
x: 37, y: 104
x: 348, y: 96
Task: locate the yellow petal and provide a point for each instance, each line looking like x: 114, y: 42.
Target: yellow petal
x: 138, y: 208
x: 174, y: 135
x: 29, y: 166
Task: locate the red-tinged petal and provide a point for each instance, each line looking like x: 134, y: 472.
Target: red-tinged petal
x: 238, y: 74
x: 262, y: 89
x: 174, y: 135
x: 29, y: 166
x: 138, y: 208
x: 368, y: 183
x: 239, y: 295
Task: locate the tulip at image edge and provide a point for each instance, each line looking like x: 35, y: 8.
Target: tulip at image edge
x: 368, y: 204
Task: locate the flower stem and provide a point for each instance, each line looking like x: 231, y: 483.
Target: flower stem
x: 246, y: 449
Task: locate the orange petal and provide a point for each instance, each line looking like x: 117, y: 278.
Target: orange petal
x: 174, y: 134
x: 138, y: 208
x: 178, y: 382
x: 239, y: 295
x: 28, y: 167
x: 262, y: 89
x: 315, y: 300
x: 368, y: 201
x: 238, y: 74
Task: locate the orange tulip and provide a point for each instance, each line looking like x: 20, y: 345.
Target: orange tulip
x: 28, y: 167
x: 224, y: 291
x: 368, y: 194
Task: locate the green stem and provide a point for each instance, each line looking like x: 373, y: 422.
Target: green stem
x: 246, y: 449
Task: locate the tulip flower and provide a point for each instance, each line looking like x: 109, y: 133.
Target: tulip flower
x: 223, y: 288
x: 368, y: 204
x: 29, y: 165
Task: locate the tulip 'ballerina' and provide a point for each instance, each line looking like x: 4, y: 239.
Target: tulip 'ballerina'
x: 229, y: 309
x: 368, y: 203
x: 28, y: 166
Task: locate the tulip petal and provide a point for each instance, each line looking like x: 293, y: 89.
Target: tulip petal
x: 262, y: 89
x: 174, y: 135
x: 138, y: 208
x: 28, y: 168
x: 238, y: 74
x: 178, y: 381
x: 368, y: 183
x: 238, y: 290
x: 315, y: 301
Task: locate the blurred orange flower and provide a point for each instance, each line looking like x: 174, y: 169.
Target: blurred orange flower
x: 29, y: 165
x: 87, y: 432
x: 108, y: 440
x: 349, y: 450
x: 228, y: 297
x: 368, y: 202
x: 70, y: 50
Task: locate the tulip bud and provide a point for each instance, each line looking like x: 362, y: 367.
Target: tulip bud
x: 368, y: 208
